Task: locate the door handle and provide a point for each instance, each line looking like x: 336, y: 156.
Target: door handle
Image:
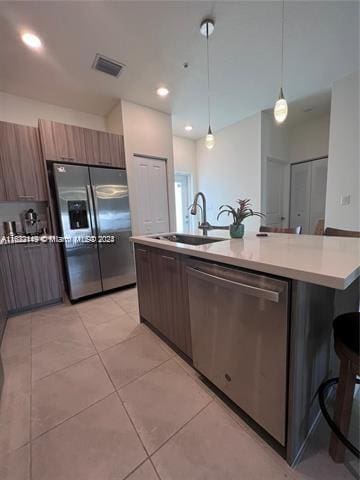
x: 91, y: 207
x: 266, y: 294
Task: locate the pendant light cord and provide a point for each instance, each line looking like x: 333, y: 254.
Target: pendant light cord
x: 208, y: 70
x: 282, y: 43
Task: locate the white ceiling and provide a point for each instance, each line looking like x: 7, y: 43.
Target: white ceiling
x: 154, y: 39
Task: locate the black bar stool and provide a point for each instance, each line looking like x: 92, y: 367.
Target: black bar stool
x: 346, y: 342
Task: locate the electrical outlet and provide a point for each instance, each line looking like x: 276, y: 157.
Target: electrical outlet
x: 345, y: 200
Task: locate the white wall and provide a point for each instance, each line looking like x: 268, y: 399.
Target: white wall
x: 185, y: 157
x: 148, y: 132
x: 309, y: 139
x: 114, y: 120
x: 232, y: 169
x: 344, y: 163
x: 26, y: 111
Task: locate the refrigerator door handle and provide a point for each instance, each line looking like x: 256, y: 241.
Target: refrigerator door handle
x: 96, y: 212
x: 91, y: 210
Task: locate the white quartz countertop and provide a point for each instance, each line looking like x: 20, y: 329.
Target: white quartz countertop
x: 329, y: 261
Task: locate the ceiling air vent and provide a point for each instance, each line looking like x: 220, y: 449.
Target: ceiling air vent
x: 107, y: 65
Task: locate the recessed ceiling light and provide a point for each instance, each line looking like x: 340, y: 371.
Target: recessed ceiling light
x: 162, y: 91
x: 31, y: 40
x: 188, y: 128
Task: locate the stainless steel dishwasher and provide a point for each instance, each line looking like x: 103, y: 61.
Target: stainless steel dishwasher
x: 239, y: 326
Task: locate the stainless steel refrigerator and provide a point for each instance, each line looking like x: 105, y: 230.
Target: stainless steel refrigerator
x: 93, y: 207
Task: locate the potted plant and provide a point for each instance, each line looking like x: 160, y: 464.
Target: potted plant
x: 239, y: 214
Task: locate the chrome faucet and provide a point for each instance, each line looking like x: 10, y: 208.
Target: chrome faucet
x: 204, y: 225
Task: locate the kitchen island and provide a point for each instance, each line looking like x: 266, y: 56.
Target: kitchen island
x: 254, y: 316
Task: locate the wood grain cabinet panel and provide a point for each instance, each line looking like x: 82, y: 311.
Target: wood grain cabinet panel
x: 69, y: 143
x: 35, y: 274
x: 144, y: 282
x: 7, y: 282
x: 162, y: 294
x: 62, y: 142
x: 21, y: 163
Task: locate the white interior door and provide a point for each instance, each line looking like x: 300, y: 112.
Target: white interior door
x: 151, y: 195
x: 318, y: 192
x: 300, y: 196
x: 275, y: 176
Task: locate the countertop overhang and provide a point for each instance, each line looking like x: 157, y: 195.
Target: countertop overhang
x: 332, y: 262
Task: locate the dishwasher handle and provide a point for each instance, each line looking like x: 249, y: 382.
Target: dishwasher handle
x: 266, y: 294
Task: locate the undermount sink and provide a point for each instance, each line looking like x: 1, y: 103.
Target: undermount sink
x: 188, y: 239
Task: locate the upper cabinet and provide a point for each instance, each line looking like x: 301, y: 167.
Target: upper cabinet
x: 68, y: 143
x: 21, y: 167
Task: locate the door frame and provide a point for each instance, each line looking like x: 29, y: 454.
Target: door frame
x: 286, y: 189
x: 190, y: 178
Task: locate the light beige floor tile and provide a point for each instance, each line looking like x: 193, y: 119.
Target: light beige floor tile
x: 16, y: 465
x: 161, y: 342
x: 57, y: 311
x: 46, y: 329
x: 130, y: 306
x: 125, y: 294
x: 17, y: 336
x: 316, y: 462
x: 213, y: 446
x: 98, y: 306
x: 194, y: 374
x: 61, y: 353
x: 97, y: 444
x: 161, y: 402
x: 144, y: 472
x: 61, y: 395
x: 111, y: 331
x: 17, y: 372
x: 128, y: 360
x: 14, y: 420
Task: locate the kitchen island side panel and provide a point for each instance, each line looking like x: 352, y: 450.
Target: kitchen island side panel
x: 312, y: 358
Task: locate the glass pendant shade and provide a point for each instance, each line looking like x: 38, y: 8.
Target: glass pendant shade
x: 281, y: 108
x: 209, y: 140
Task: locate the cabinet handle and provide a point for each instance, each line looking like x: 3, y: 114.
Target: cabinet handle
x: 67, y: 158
x: 167, y: 257
x: 105, y: 163
x: 26, y: 196
x: 35, y: 245
x: 142, y: 250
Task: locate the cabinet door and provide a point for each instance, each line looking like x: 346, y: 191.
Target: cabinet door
x: 144, y: 283
x: 111, y: 149
x: 62, y: 142
x: 5, y: 272
x: 21, y: 162
x: 36, y: 277
x: 167, y: 277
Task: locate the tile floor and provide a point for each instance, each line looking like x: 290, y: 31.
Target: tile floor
x: 90, y: 394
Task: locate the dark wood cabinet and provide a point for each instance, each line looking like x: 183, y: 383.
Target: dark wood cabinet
x: 163, y: 294
x: 21, y: 164
x: 31, y: 275
x: 3, y: 303
x: 69, y: 143
x: 144, y: 282
x: 62, y: 142
x: 5, y: 271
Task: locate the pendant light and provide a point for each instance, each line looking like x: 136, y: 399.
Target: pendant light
x: 281, y: 107
x: 207, y: 28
